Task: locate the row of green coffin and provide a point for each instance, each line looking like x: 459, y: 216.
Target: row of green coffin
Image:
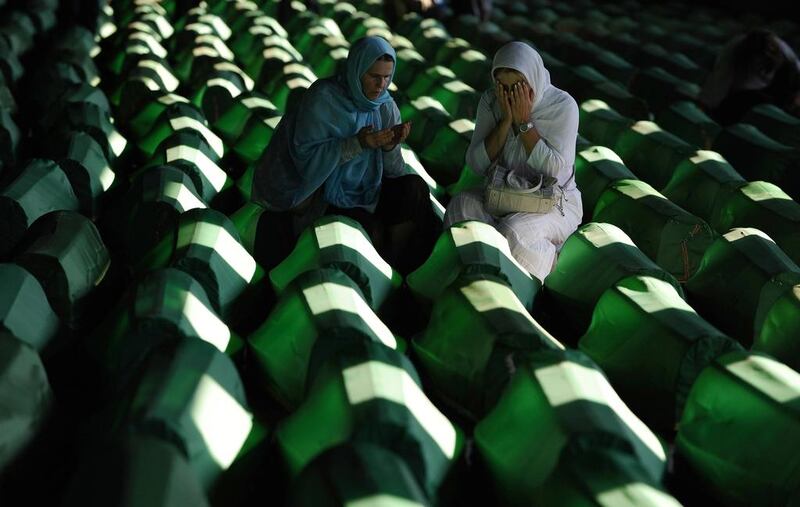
x: 653, y: 153
x: 745, y: 285
x: 703, y: 184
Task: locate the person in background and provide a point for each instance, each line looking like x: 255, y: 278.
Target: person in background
x: 754, y: 68
x: 338, y: 152
x: 530, y: 127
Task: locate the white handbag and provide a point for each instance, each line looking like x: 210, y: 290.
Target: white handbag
x: 504, y: 194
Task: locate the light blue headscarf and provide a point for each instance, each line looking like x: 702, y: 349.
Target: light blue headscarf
x: 304, y: 154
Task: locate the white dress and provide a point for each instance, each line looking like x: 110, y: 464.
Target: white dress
x: 534, y: 239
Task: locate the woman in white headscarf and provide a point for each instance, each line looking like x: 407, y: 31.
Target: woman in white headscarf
x: 530, y: 127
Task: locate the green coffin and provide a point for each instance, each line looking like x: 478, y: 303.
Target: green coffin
x: 24, y: 309
x: 321, y: 308
x: 151, y: 209
x: 68, y: 257
x: 741, y: 275
x: 206, y: 245
x: 765, y: 207
x: 146, y: 472
x: 357, y: 474
x: 256, y: 135
x: 194, y: 399
x: 620, y: 99
x: 740, y: 430
x: 472, y: 247
x: 780, y: 328
x: 652, y: 346
x: 9, y: 139
x: 428, y: 117
x: 472, y: 67
x: 94, y: 121
x: 601, y: 124
x: 188, y: 150
x: 445, y: 153
x: 371, y: 393
x: 88, y: 171
x: 175, y: 118
x: 143, y: 118
x: 594, y: 258
x: 674, y: 239
x: 25, y: 396
x: 435, y: 76
x: 652, y: 153
x: 701, y: 184
x: 596, y: 168
x: 776, y: 123
x: 232, y: 122
x: 41, y: 187
x: 686, y: 120
x: 167, y: 305
x: 605, y: 478
x: 476, y: 327
x: 339, y: 242
x: 759, y: 157
x: 558, y: 400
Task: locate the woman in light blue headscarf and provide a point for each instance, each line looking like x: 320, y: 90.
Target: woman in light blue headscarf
x: 338, y: 152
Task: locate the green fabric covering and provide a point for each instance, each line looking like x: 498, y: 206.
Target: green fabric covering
x: 652, y: 346
x: 94, y: 121
x: 287, y: 86
x: 781, y: 325
x: 88, y: 171
x: 686, y: 120
x: 601, y: 124
x: 267, y: 69
x: 776, y: 123
x: 759, y: 157
x: 613, y: 65
x: 218, y: 93
x: 472, y: 67
x: 411, y: 65
x: 652, y: 153
x: 747, y: 263
x: 701, y: 184
x: 596, y: 168
x: 444, y: 156
x: 451, y: 50
x: 558, y: 400
x: 580, y: 79
x: 429, y: 40
x: 135, y: 471
x: 24, y: 310
x: 428, y: 117
x: 339, y: 242
x: 322, y: 305
x: 69, y: 259
x: 594, y: 258
x: 25, y: 396
x: 194, y: 399
x: 256, y: 135
x: 166, y: 306
x: 620, y: 99
x: 357, y: 473
x: 174, y: 118
x: 740, y: 430
x: 187, y: 150
x: 232, y: 122
x: 476, y: 327
x: 371, y: 393
x: 151, y: 209
x: 144, y: 117
x: 468, y: 180
x: 414, y: 166
x: 84, y: 92
x: 675, y: 239
x: 472, y: 247
x: 766, y: 207
x: 41, y: 187
x: 458, y: 98
x: 607, y: 478
x: 435, y: 76
x: 206, y: 245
